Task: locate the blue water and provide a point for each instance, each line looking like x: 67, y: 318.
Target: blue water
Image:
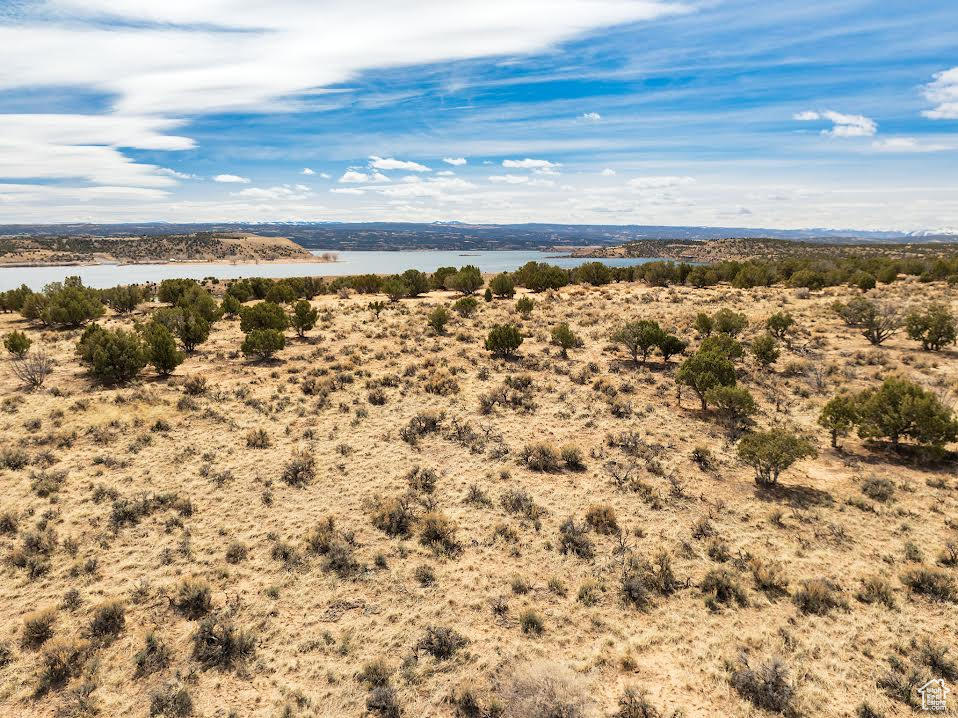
x: 110, y: 275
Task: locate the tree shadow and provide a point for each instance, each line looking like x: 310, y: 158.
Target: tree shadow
x: 797, y: 497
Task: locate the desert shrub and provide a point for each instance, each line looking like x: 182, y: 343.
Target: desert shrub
x: 231, y: 305
x: 17, y: 343
x: 375, y: 673
x: 32, y: 369
x: 264, y: 315
x: 574, y: 539
x: 503, y: 340
x: 38, y: 627
x: 721, y: 586
x: 639, y: 338
x: 863, y: 280
x: 524, y: 306
x: 466, y: 281
x: 670, y: 345
x: 531, y: 622
x: 703, y: 371
x: 439, y: 533
x: 384, y: 701
x: 564, y: 338
x: 934, y: 326
x: 641, y: 578
x: 734, y: 403
x: 218, y: 643
x: 108, y: 621
x: 878, y: 489
x: 771, y: 452
x: 502, y: 285
x: 263, y: 343
x: 236, y: 552
x: 729, y: 322
x: 539, y: 276
x: 465, y: 306
x: 193, y: 599
x: 304, y: 317
x: 768, y: 687
x: 153, y: 657
x: 544, y: 690
x: 838, y: 416
x: 422, y: 480
x: 540, y: 457
x: 765, y: 350
x: 424, y: 575
x: 875, y: 589
x: 819, y: 596
x: 932, y: 583
x: 441, y: 642
x: 394, y: 516
x: 935, y: 656
x: 724, y: 345
x: 62, y: 659
x: 114, y: 356
x: 901, y: 682
x: 195, y: 385
x: 171, y: 700
x: 258, y: 439
x: 601, y: 517
x: 8, y: 518
x: 704, y: 324
x: 876, y: 322
x: 425, y: 422
x: 703, y: 457
x: 769, y: 576
x: 438, y: 318
x: 901, y: 409
x: 572, y: 457
x: 780, y: 325
x: 300, y: 470
x: 634, y: 703
x: 70, y: 304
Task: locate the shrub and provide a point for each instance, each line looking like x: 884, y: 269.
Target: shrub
x: 395, y: 289
x: 875, y: 589
x: 670, y: 346
x: 438, y: 318
x: 524, y: 306
x: 723, y: 345
x: 564, y: 338
x: 70, y: 304
x: 114, y: 356
x: 878, y: 489
x: 703, y: 371
x: 503, y: 340
x: 933, y: 583
x: 384, y: 701
x: 109, y: 618
x: 639, y: 338
x: 818, y: 596
x: 863, y: 280
x: 394, y: 516
x: 721, y: 586
x: 193, y: 598
x: 236, y: 552
x: 704, y: 324
x: 17, y: 343
x: 765, y: 350
x: 780, y: 325
x: 304, y: 317
x: 935, y: 327
x: 540, y: 457
x: 502, y: 286
x: 38, y: 627
x: 601, y: 517
x: 300, y: 470
x: 375, y: 673
x: 441, y: 642
x: 417, y: 282
x: 487, y: 295
x: 218, y: 643
x: 32, y: 369
x: 876, y: 322
x: 258, y: 439
x: 733, y: 402
x: 263, y: 343
x: 161, y: 349
x: 771, y: 452
x: 231, y: 305
x: 171, y: 700
x: 574, y: 539
x: 439, y: 533
x: 769, y: 576
x: 838, y: 416
x: 572, y: 458
x: 634, y: 703
x: 466, y: 281
x: 123, y: 299
x: 153, y: 657
x: 264, y: 315
x: 728, y: 322
x: 544, y: 690
x: 422, y: 480
x: 531, y: 622
x: 466, y: 306
x: 901, y: 409
x: 768, y: 687
x: 62, y: 659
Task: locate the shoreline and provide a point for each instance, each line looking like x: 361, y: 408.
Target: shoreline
x: 167, y: 262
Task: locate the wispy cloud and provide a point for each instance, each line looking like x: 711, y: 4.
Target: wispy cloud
x: 943, y: 91
x: 390, y: 163
x: 231, y: 179
x: 455, y: 161
x: 843, y: 125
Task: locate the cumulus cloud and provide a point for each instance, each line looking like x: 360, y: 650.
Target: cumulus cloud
x: 509, y: 179
x: 357, y: 177
x: 455, y: 161
x: 390, y: 163
x: 843, y: 125
x: 231, y: 179
x: 943, y: 92
x: 280, y: 192
x: 591, y: 117
x: 307, y: 171
x: 659, y: 182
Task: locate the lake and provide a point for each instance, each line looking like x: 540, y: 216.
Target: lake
x: 110, y: 275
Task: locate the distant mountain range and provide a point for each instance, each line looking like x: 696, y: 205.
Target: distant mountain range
x: 465, y: 236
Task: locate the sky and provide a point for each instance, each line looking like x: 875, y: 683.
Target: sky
x: 739, y: 113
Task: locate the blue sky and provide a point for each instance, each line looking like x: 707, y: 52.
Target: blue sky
x: 735, y: 113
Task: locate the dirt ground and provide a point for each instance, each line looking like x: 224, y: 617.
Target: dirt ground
x: 316, y: 629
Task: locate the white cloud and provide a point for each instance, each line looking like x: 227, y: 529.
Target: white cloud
x: 390, y: 163
x: 231, y: 179
x: 307, y: 171
x: 325, y: 175
x: 281, y: 192
x: 608, y: 172
x: 445, y: 173
x: 357, y: 177
x: 659, y: 182
x: 509, y: 179
x: 843, y: 125
x: 455, y: 161
x: 943, y: 91
x: 909, y: 144
x: 591, y: 117
x: 530, y: 164
x: 167, y: 172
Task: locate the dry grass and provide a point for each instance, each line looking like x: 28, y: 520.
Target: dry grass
x: 257, y: 537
